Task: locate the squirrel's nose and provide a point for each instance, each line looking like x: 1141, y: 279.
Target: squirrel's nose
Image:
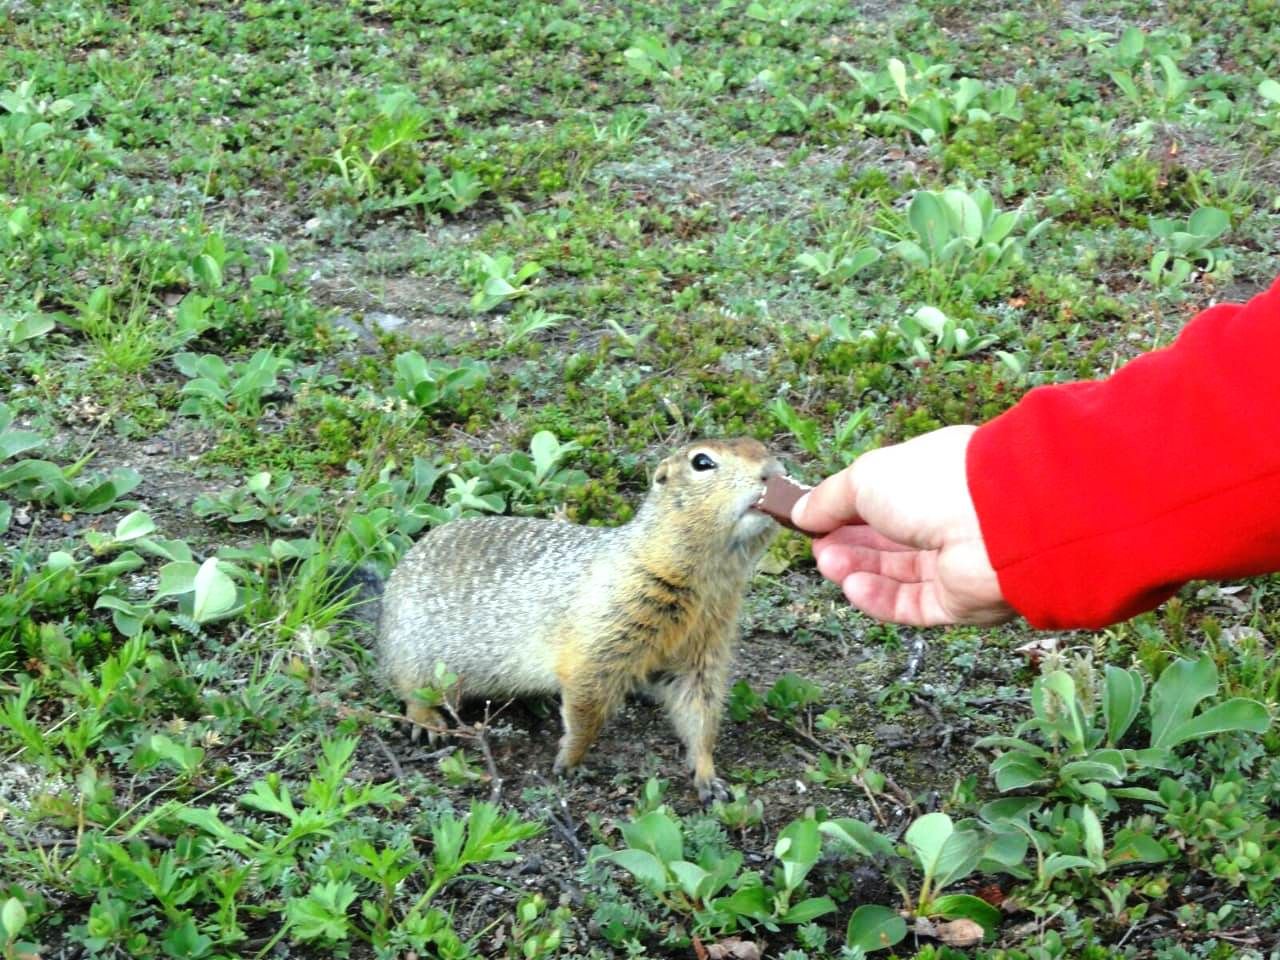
x: 771, y: 469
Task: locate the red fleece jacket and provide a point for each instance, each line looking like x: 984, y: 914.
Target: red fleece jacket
x: 1097, y: 500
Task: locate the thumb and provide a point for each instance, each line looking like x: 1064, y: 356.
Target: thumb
x: 829, y: 505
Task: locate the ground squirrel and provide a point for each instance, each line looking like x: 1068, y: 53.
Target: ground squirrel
x: 522, y: 606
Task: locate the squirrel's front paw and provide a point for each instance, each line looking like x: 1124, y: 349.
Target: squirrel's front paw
x: 713, y: 790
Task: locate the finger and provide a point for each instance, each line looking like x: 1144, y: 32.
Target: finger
x: 860, y: 535
x: 829, y: 505
x: 913, y: 604
x: 836, y: 561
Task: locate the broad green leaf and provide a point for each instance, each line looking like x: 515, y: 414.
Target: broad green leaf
x: 215, y: 592
x: 857, y: 835
x: 898, y: 73
x: 13, y: 918
x: 1014, y: 771
x: 1133, y: 847
x: 873, y: 927
x: 657, y: 833
x: 1094, y: 841
x: 1269, y: 90
x: 809, y: 909
x: 932, y: 319
x: 690, y: 876
x: 1057, y: 863
x: 956, y: 906
x: 945, y: 854
x: 546, y: 451
x: 1235, y: 714
x: 1209, y: 222
x: 1001, y: 226
x: 642, y: 865
x: 1174, y: 696
x: 134, y: 525
x: 1122, y: 699
x: 748, y: 901
x: 1131, y: 44
x: 14, y: 442
x: 927, y: 215
x: 911, y: 252
x: 966, y: 218
x: 798, y: 848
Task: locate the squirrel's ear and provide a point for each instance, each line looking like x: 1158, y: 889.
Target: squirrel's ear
x: 660, y: 475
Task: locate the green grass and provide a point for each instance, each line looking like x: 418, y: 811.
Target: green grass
x: 222, y: 224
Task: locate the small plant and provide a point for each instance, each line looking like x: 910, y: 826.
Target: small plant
x: 399, y: 122
x: 1186, y: 246
x: 930, y: 333
x: 1082, y: 730
x: 432, y: 384
x: 495, y: 280
x: 216, y: 390
x: 525, y: 323
x: 20, y: 330
x: 537, y: 476
x: 1151, y: 81
x: 835, y: 448
x: 40, y: 481
x: 654, y: 856
x: 921, y: 98
x: 837, y: 265
x: 264, y: 498
x: 959, y: 238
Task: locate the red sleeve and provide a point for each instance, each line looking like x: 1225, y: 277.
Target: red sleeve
x: 1097, y: 500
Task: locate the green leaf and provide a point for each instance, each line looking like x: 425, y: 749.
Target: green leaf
x: 911, y: 252
x: 798, y: 847
x: 945, y: 854
x: 1269, y: 90
x: 13, y: 917
x: 1057, y: 863
x: 927, y: 215
x: 134, y: 525
x: 1122, y: 699
x: 873, y: 927
x: 644, y: 866
x: 965, y: 217
x: 807, y: 910
x: 898, y: 74
x: 1133, y: 847
x: 690, y: 876
x: 1094, y: 841
x: 184, y: 942
x: 1209, y: 222
x: 656, y: 832
x: 859, y: 836
x: 1235, y: 714
x: 321, y: 914
x: 215, y: 592
x: 14, y: 442
x: 956, y: 906
x: 1014, y: 771
x: 1182, y: 685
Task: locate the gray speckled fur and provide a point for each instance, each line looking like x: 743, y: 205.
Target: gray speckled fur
x: 440, y: 604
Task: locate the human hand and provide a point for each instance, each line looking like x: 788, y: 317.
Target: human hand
x: 902, y: 536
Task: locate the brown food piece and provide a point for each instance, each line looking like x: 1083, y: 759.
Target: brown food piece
x: 780, y: 495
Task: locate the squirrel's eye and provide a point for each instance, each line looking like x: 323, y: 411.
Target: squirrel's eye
x: 701, y: 461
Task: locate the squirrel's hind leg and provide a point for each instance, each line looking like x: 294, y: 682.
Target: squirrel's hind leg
x: 585, y: 708
x: 694, y: 702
